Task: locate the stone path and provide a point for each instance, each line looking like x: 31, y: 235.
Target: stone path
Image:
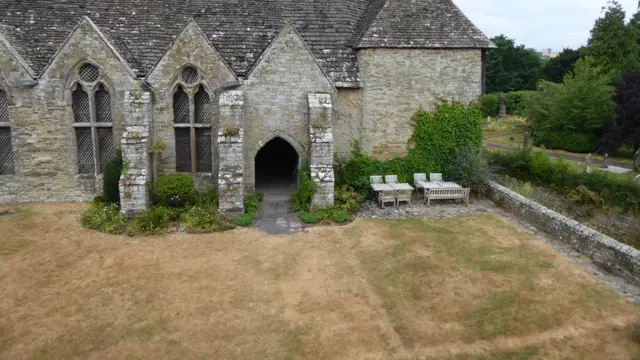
x: 447, y: 209
x: 274, y: 217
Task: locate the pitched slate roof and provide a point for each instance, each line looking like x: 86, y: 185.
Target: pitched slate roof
x: 142, y: 30
x: 421, y: 24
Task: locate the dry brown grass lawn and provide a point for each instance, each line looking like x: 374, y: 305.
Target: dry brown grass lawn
x: 466, y: 288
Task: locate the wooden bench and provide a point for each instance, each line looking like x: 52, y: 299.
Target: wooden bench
x: 447, y: 194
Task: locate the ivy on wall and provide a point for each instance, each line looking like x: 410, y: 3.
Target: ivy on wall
x: 437, y: 140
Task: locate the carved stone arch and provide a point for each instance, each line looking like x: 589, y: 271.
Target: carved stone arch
x: 176, y: 80
x: 296, y: 145
x: 73, y: 78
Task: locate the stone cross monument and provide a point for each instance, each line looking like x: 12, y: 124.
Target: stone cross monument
x: 503, y: 109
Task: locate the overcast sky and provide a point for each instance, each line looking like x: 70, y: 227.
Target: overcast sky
x: 539, y: 24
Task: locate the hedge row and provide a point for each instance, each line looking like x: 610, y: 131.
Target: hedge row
x: 559, y: 174
x: 515, y: 103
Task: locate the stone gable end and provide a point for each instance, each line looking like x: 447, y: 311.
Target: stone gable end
x: 276, y: 95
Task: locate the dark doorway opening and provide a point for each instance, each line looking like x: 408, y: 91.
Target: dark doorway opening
x: 276, y: 165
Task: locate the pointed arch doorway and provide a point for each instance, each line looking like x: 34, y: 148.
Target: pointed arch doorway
x: 276, y: 166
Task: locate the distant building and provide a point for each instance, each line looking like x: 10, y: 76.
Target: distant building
x: 547, y: 54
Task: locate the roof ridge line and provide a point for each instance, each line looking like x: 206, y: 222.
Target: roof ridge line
x: 102, y: 36
x: 15, y: 54
x: 190, y: 21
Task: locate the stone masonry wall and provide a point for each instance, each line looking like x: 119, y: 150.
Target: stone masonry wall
x: 192, y: 48
x: 620, y: 259
x: 231, y: 149
x: 276, y: 97
x: 135, y: 145
x: 397, y: 82
x: 321, y: 152
x: 41, y: 120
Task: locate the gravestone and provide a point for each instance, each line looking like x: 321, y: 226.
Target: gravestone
x: 526, y: 140
x: 587, y: 163
x: 606, y: 160
x: 503, y: 109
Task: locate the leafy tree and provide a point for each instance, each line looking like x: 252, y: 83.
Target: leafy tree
x: 555, y: 69
x: 626, y: 128
x: 571, y: 114
x: 511, y: 67
x: 613, y: 42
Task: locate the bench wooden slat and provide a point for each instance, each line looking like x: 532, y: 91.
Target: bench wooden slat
x: 447, y: 194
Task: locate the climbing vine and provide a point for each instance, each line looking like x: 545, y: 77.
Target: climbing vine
x: 436, y: 141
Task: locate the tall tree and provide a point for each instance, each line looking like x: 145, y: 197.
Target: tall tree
x: 613, y: 44
x: 555, y: 69
x: 511, y: 67
x: 626, y: 128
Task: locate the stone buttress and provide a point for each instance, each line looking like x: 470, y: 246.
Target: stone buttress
x: 135, y: 146
x: 321, y: 148
x: 231, y: 151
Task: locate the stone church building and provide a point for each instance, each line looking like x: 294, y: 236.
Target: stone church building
x: 234, y: 92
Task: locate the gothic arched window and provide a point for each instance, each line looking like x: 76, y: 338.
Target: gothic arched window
x: 192, y: 118
x: 91, y: 105
x: 6, y: 150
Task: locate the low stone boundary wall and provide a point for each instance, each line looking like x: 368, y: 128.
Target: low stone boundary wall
x: 612, y: 255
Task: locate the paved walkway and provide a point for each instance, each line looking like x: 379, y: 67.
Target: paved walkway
x: 274, y: 217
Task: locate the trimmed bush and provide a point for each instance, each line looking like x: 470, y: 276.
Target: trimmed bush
x: 111, y: 179
x: 490, y: 104
x: 105, y: 218
x: 175, y: 190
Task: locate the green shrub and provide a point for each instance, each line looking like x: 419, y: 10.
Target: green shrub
x: 252, y: 203
x: 301, y: 198
x: 100, y: 200
x: 175, y: 190
x: 309, y: 218
x: 105, y: 218
x: 569, y: 141
x: 207, y: 198
x: 540, y: 166
x: 251, y: 208
x: 245, y: 219
x: 436, y: 140
x: 469, y: 169
x: 347, y: 199
x: 111, y: 179
x: 569, y: 116
x: 612, y: 189
x: 340, y: 216
x: 152, y: 221
x: 203, y: 219
x: 517, y: 102
x: 489, y: 104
